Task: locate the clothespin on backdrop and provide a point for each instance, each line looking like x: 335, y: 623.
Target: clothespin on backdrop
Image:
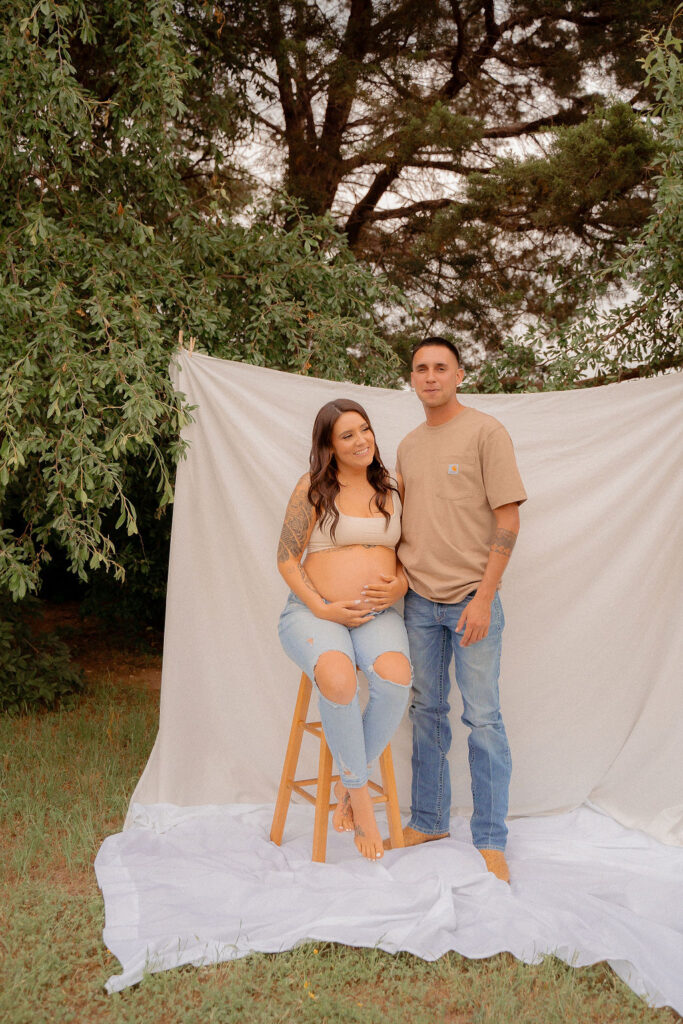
x: 193, y: 342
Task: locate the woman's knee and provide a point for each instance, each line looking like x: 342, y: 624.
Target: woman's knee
x: 335, y: 677
x: 393, y: 666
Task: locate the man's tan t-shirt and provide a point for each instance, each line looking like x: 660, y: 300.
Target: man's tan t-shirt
x: 455, y: 475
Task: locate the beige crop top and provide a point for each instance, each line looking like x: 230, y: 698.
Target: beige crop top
x: 373, y: 530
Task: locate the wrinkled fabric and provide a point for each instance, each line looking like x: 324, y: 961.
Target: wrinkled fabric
x: 204, y: 884
x: 591, y: 680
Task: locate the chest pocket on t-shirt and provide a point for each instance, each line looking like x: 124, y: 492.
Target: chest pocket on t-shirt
x: 455, y: 478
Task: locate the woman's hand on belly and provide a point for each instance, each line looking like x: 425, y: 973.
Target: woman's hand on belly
x: 389, y: 591
x: 347, y: 613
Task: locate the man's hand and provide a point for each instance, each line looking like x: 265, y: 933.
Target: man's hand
x: 475, y: 620
x: 382, y: 595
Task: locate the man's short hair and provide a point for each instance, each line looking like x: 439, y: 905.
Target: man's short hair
x: 435, y: 340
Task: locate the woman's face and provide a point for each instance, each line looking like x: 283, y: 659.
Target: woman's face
x: 353, y: 442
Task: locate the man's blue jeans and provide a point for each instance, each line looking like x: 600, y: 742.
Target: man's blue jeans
x: 433, y: 642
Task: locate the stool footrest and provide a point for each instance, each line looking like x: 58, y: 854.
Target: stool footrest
x: 298, y: 787
x: 382, y: 798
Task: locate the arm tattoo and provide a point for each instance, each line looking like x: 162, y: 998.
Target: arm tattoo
x: 503, y: 542
x: 307, y: 580
x: 295, y: 527
x: 334, y: 551
x: 293, y: 537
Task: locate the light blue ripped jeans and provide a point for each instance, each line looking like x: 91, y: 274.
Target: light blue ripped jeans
x: 354, y: 738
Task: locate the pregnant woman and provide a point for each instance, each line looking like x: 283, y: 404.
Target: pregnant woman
x: 339, y: 614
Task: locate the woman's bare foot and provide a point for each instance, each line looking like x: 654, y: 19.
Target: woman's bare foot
x: 342, y: 815
x: 367, y: 837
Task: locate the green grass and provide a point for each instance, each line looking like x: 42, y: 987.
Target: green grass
x: 65, y: 781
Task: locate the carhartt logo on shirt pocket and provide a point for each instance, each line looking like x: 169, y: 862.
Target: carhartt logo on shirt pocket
x: 454, y: 478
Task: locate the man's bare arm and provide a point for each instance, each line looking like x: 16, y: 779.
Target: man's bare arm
x: 476, y: 618
x: 503, y: 542
x: 507, y: 528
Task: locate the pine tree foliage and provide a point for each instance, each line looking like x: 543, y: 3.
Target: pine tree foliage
x: 471, y: 149
x: 639, y: 333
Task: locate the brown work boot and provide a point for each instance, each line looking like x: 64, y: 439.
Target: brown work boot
x: 411, y: 837
x: 496, y: 864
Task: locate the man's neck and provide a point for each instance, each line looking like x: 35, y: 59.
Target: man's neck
x: 443, y: 413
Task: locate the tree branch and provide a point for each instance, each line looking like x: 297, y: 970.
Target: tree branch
x: 362, y: 211
x: 293, y: 119
x: 672, y: 362
x: 303, y: 85
x: 344, y: 74
x: 447, y: 165
x: 373, y: 155
x: 408, y: 211
x: 275, y: 128
x: 364, y: 208
x: 460, y: 43
x: 571, y: 115
x: 459, y: 79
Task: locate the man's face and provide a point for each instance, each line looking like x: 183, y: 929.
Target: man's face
x: 436, y: 376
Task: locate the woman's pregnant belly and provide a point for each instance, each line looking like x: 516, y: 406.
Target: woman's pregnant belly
x: 339, y: 574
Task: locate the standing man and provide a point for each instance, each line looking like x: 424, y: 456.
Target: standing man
x: 460, y: 524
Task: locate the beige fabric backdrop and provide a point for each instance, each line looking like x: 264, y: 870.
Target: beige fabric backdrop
x: 591, y: 679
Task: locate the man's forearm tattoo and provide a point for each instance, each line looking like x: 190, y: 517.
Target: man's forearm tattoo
x: 503, y: 542
x: 295, y: 527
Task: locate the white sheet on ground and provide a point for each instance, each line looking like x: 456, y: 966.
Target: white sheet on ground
x: 205, y: 884
x: 591, y: 680
x: 591, y: 692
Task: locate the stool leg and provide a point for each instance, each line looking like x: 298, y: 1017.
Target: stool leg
x: 322, y: 803
x: 386, y: 764
x: 291, y: 760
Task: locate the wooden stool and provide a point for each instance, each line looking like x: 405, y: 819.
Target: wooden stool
x: 386, y: 793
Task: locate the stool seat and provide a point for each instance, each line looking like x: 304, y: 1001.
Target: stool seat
x: 322, y: 784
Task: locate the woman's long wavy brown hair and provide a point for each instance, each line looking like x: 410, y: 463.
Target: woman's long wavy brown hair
x: 324, y: 486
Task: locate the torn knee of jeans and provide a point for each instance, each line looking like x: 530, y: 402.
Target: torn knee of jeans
x: 310, y: 640
x: 334, y: 682
x: 394, y: 682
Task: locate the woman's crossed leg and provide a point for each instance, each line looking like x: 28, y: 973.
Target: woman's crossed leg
x: 356, y: 739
